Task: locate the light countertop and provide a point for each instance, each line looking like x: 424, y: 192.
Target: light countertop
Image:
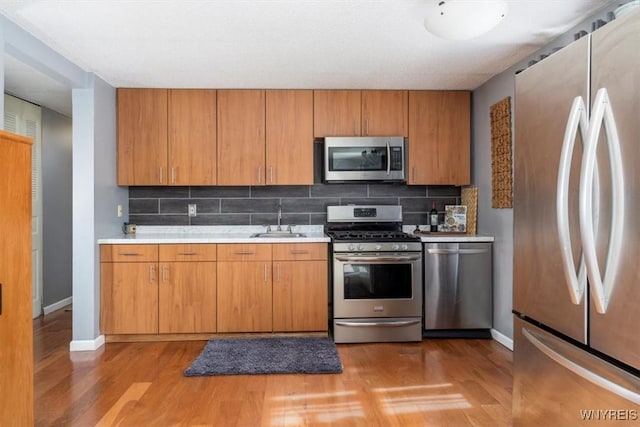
x: 443, y: 237
x: 214, y: 234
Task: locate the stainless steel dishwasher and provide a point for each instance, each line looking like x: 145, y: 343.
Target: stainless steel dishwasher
x: 458, y: 284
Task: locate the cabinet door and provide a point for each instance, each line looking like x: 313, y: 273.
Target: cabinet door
x: 129, y: 297
x: 439, y: 137
x: 385, y: 113
x: 192, y: 137
x: 16, y: 325
x: 187, y: 297
x: 244, y: 296
x: 300, y: 291
x: 336, y: 113
x: 142, y: 136
x: 241, y: 137
x: 289, y: 137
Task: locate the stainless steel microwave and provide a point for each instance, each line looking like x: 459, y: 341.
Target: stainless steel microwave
x: 365, y: 159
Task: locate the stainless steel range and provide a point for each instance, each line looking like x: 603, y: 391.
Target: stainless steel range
x: 377, y: 275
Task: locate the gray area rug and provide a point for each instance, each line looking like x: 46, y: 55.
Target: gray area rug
x: 289, y: 355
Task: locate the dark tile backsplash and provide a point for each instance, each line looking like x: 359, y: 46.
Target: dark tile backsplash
x: 301, y: 205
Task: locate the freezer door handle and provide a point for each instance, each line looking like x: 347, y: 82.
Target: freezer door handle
x: 601, y: 286
x: 576, y: 283
x: 545, y: 344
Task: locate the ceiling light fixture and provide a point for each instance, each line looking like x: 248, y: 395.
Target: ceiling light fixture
x: 463, y: 19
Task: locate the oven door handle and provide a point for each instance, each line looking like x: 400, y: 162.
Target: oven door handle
x: 377, y: 258
x: 390, y: 324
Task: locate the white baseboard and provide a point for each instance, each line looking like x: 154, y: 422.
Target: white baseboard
x: 87, y: 345
x: 502, y: 339
x: 57, y: 306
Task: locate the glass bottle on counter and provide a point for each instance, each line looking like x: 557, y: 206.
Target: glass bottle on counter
x: 433, y: 218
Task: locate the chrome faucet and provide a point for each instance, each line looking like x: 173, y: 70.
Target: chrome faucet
x: 279, y: 218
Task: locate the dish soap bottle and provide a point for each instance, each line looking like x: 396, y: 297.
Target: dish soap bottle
x: 433, y: 218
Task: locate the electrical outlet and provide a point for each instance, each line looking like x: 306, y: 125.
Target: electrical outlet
x: 192, y: 209
x: 119, y: 211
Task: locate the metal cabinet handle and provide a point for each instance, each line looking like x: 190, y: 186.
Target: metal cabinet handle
x: 187, y: 253
x: 259, y: 174
x: 160, y: 174
x: 277, y: 272
x: 265, y: 273
x: 601, y: 286
x: 366, y: 126
x: 545, y: 346
x: 173, y: 175
x: 151, y: 273
x: 271, y: 174
x: 164, y: 273
x: 128, y: 254
x: 0, y: 299
x: 298, y: 251
x: 243, y: 252
x: 576, y: 283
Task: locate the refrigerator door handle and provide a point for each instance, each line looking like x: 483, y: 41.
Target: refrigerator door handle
x: 576, y: 283
x: 602, y: 286
x: 545, y: 345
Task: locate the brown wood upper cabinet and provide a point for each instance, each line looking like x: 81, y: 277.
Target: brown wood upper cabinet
x: 289, y: 137
x: 241, y: 136
x: 360, y: 113
x: 265, y: 137
x: 439, y: 138
x: 166, y: 137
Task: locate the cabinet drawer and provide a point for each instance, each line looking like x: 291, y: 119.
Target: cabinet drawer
x: 128, y: 253
x: 299, y: 251
x: 244, y: 252
x: 187, y: 252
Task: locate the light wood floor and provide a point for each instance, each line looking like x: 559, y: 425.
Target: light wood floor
x: 433, y: 383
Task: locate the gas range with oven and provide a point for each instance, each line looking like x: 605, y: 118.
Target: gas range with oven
x: 377, y: 275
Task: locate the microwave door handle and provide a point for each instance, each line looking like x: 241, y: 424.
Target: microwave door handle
x: 388, y: 158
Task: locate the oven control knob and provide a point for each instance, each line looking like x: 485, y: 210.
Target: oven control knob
x: 395, y: 247
x: 360, y: 247
x: 405, y: 247
x: 378, y: 247
x: 351, y: 247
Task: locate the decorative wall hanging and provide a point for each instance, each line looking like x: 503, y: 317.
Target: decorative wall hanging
x: 501, y: 169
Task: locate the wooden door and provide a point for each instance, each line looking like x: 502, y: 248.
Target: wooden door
x: 16, y: 326
x: 336, y: 113
x: 244, y: 296
x: 129, y: 297
x: 289, y: 137
x: 300, y: 291
x: 142, y: 137
x: 241, y: 137
x: 439, y: 138
x: 192, y: 137
x: 385, y: 113
x: 187, y: 297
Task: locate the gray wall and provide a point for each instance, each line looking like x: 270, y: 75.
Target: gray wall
x: 499, y: 222
x: 56, y: 205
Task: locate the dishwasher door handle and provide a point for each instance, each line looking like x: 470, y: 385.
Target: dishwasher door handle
x: 457, y: 251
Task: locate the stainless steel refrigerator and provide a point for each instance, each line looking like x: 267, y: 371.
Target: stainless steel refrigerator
x: 576, y: 299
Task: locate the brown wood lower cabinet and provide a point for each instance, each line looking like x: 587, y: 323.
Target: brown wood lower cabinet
x: 209, y: 288
x: 300, y: 287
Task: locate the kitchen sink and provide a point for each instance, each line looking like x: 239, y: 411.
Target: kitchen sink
x: 278, y: 234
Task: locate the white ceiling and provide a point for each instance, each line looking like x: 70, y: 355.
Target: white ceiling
x: 279, y: 43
